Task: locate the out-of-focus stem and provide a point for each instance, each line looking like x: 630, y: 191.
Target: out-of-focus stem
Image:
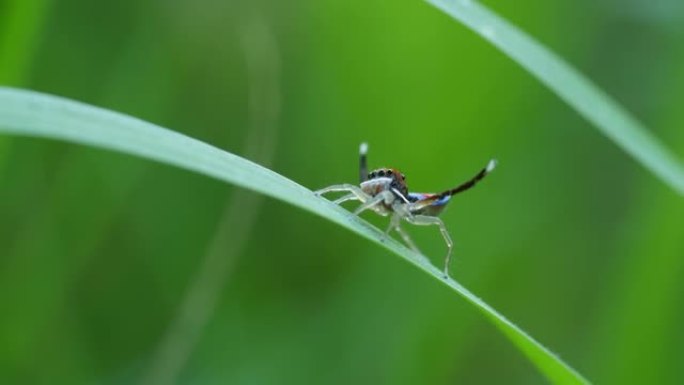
x: 240, y: 214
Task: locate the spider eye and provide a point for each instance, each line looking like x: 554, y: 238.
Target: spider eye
x: 403, y: 176
x: 381, y: 173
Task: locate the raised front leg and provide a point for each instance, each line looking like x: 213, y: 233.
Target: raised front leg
x: 363, y: 167
x: 470, y: 183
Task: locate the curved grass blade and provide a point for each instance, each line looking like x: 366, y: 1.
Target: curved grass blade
x: 33, y: 114
x: 574, y: 88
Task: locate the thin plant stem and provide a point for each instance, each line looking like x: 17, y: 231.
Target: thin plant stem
x: 237, y: 222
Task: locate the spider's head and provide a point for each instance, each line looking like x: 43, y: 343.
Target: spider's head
x: 385, y: 179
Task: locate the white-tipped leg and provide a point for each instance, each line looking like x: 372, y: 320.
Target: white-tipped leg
x: 491, y: 166
x: 424, y: 220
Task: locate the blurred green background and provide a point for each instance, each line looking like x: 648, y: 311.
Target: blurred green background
x: 116, y: 270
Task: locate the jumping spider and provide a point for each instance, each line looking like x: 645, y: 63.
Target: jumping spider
x: 384, y: 191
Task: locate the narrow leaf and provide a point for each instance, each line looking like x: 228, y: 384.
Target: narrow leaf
x: 29, y: 113
x: 574, y: 88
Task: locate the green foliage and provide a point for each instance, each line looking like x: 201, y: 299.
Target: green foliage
x: 99, y: 250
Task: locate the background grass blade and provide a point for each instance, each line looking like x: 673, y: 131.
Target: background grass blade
x: 28, y: 113
x: 571, y: 86
x: 240, y: 214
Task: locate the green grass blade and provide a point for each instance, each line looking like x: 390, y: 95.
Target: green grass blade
x: 571, y: 86
x: 32, y: 114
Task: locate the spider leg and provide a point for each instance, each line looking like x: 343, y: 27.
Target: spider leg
x: 396, y: 217
x: 407, y: 239
x: 348, y: 197
x: 363, y: 167
x: 472, y: 182
x: 371, y: 202
x: 394, y: 222
x: 424, y: 220
x: 400, y: 211
x: 354, y: 192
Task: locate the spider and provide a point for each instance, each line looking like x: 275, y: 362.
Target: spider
x: 384, y: 191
